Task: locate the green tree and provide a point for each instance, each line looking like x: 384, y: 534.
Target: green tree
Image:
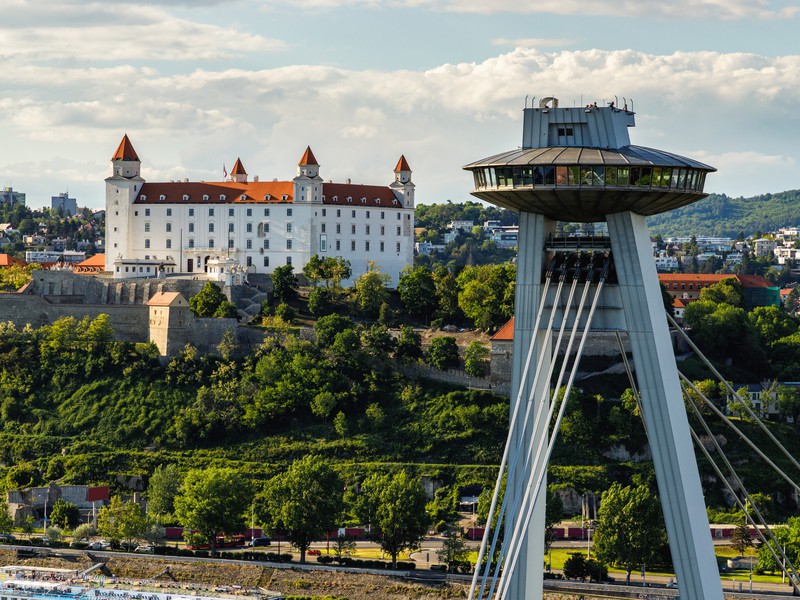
x: 284, y: 283
x: 319, y: 301
x: 576, y: 566
x: 454, y: 551
x: 120, y: 520
x: 83, y: 532
x: 417, y: 290
x: 6, y: 522
x: 409, y: 344
x: 442, y: 352
x: 475, y: 356
x: 65, y: 514
x: 487, y: 294
x: 343, y: 547
x: 306, y: 501
x: 370, y: 290
x: 226, y: 310
x: 205, y: 303
x: 165, y: 483
x: 213, y: 502
x: 395, y: 506
x: 741, y: 539
x: 727, y: 291
x: 630, y: 528
x: 313, y: 269
x: 771, y: 323
x: 326, y: 328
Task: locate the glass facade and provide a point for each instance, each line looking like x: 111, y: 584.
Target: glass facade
x: 666, y: 178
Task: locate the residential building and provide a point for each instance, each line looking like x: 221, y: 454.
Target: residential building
x: 259, y: 224
x: 764, y: 246
x: 65, y: 203
x: 757, y: 290
x: 11, y: 197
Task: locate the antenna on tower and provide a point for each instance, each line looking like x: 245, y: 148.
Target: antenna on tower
x: 526, y: 100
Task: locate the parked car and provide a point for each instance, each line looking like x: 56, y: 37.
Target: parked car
x: 261, y: 541
x: 7, y: 538
x: 100, y: 545
x: 146, y: 549
x: 313, y: 552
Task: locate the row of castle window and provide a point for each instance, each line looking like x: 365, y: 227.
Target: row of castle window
x: 249, y: 245
x: 263, y: 228
x: 249, y: 213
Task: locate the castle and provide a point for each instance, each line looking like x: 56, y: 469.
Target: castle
x: 255, y: 226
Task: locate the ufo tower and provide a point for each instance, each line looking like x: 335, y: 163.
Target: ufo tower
x: 578, y: 165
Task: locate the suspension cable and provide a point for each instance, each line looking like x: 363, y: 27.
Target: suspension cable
x: 506, y: 578
x: 521, y: 438
x: 793, y: 576
x: 729, y: 387
x: 512, y: 422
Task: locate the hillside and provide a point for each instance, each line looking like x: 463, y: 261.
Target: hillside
x: 721, y: 215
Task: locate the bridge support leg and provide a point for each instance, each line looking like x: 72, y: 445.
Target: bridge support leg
x: 663, y: 410
x: 526, y: 581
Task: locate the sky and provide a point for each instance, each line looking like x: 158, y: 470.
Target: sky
x: 197, y: 83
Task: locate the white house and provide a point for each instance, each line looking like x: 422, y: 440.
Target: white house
x: 258, y: 224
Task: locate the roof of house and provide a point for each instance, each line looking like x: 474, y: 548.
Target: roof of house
x: 6, y: 260
x: 506, y: 332
x: 402, y: 165
x: 167, y: 299
x: 678, y: 303
x: 308, y: 158
x: 238, y: 168
x: 747, y: 281
x: 98, y: 260
x: 125, y: 150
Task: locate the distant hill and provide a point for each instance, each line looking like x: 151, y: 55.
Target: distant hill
x: 721, y: 215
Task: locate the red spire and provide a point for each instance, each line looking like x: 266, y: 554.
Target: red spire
x: 402, y: 165
x: 308, y: 158
x: 125, y: 150
x: 238, y: 168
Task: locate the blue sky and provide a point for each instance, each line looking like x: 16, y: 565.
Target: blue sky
x: 196, y: 84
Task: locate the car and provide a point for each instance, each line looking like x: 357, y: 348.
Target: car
x: 313, y: 552
x: 100, y: 545
x: 261, y: 541
x: 146, y: 549
x: 7, y: 538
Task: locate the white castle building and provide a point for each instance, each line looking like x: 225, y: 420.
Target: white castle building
x: 183, y: 227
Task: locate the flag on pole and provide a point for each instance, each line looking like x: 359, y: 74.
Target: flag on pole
x: 224, y: 172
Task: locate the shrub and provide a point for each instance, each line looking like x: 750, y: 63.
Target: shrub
x: 442, y: 353
x: 285, y: 312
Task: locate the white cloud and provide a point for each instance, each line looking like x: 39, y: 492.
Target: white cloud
x: 117, y: 32
x: 730, y: 110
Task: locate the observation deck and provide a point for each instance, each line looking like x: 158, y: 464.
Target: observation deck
x: 577, y: 164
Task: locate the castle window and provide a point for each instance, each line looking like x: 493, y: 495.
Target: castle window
x: 142, y: 197
x: 230, y: 244
x: 263, y: 229
x: 169, y: 243
x: 146, y: 212
x: 205, y: 197
x: 288, y: 260
x: 191, y: 212
x: 338, y: 212
x: 383, y: 215
x: 266, y: 261
x: 249, y: 228
x: 367, y: 230
x: 249, y: 244
x: 285, y: 197
x: 398, y: 216
x: 210, y: 242
x: 350, y: 199
x: 169, y: 227
x: 366, y: 246
x: 191, y: 227
x: 249, y: 261
x: 147, y: 243
x: 352, y: 245
x: 267, y: 197
x: 324, y: 212
x: 398, y: 247
x: 353, y: 229
x: 185, y: 197
x: 191, y: 242
x: 368, y: 214
x: 323, y: 228
x: 338, y: 228
x: 394, y: 201
x: 230, y: 212
x: 147, y: 227
x: 381, y: 246
x: 336, y: 198
x: 288, y: 228
x: 223, y: 197
x: 288, y: 244
x: 243, y: 197
x: 162, y: 197
x: 288, y: 212
x: 363, y: 200
x: 211, y: 228
x: 210, y: 212
x: 266, y: 211
x: 398, y: 230
x: 266, y: 244
x: 383, y: 230
x: 377, y: 200
x: 249, y: 212
x: 338, y: 245
x: 230, y: 227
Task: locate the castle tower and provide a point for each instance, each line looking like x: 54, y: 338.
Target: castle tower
x: 121, y: 190
x: 402, y: 184
x: 578, y: 165
x: 308, y: 183
x: 238, y: 174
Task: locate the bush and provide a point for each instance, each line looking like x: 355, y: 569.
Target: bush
x: 361, y: 563
x: 442, y: 353
x: 319, y: 301
x: 285, y: 312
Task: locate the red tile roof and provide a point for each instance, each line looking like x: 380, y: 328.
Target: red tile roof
x: 402, y: 165
x: 361, y: 195
x: 253, y: 191
x: 308, y: 158
x: 6, y: 260
x: 238, y: 168
x: 166, y: 299
x: 747, y: 281
x: 125, y: 150
x: 506, y: 333
x: 98, y: 260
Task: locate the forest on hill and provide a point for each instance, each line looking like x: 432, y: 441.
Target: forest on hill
x: 722, y: 216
